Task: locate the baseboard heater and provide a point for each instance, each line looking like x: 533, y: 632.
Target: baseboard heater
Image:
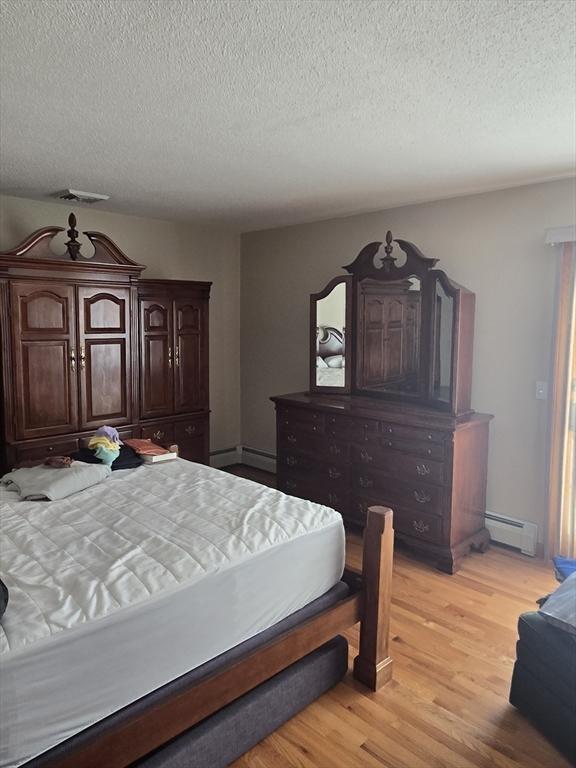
x: 512, y: 532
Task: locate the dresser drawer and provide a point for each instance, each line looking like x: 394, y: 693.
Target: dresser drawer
x: 301, y: 419
x: 159, y: 433
x: 418, y: 434
x: 416, y: 448
x: 399, y: 465
x: 419, y: 525
x: 415, y: 495
x: 317, y: 445
x: 323, y: 471
x: 39, y: 452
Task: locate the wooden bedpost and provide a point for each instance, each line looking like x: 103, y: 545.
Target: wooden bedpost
x: 373, y: 665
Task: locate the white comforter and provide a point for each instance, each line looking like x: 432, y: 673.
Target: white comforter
x: 140, y: 535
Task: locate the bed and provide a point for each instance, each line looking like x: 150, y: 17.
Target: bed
x: 124, y: 595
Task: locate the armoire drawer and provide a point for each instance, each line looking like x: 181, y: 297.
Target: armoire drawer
x: 160, y: 433
x: 399, y: 465
x: 428, y: 498
x: 189, y: 429
x: 37, y: 452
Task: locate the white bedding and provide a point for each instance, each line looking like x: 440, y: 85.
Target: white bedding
x: 123, y: 587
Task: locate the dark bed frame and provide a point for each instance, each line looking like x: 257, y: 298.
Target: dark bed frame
x: 368, y: 602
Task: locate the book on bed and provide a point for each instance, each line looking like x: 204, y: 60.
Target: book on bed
x: 150, y: 452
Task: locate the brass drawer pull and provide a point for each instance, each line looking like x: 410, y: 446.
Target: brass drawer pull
x: 365, y: 482
x: 334, y: 474
x: 334, y: 450
x: 291, y: 461
x: 429, y: 436
x: 169, y: 357
x: 158, y: 435
x: 333, y: 498
x: 82, y: 357
x: 365, y: 456
x: 72, y: 360
x: 190, y: 429
x: 420, y: 526
x: 422, y: 497
x: 422, y: 469
x: 389, y: 444
x: 291, y: 438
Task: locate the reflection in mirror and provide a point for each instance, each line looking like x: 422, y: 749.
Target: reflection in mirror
x: 390, y: 343
x: 443, y: 346
x: 330, y: 338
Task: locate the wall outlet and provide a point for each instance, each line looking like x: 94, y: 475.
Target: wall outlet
x: 541, y: 390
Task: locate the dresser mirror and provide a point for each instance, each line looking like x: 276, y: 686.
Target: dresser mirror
x: 443, y: 347
x: 330, y: 320
x: 395, y: 327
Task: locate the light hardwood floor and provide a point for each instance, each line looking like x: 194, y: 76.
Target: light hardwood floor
x: 453, y: 643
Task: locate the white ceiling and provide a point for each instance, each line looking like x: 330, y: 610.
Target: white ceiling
x: 258, y: 113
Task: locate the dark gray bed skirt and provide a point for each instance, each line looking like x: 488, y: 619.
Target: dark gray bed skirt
x: 219, y: 740
x: 294, y: 673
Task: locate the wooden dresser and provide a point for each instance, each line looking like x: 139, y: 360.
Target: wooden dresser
x: 86, y: 342
x: 351, y: 453
x: 388, y: 419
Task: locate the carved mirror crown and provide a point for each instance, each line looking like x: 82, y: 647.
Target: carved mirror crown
x: 395, y: 327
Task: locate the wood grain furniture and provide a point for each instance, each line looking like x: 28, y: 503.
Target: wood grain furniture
x: 86, y: 342
x: 399, y: 430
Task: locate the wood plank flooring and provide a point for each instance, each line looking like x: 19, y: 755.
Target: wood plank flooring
x: 453, y: 644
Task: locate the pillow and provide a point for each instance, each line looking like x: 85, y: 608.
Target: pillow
x: 560, y: 608
x: 3, y: 597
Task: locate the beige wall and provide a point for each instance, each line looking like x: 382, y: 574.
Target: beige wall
x: 491, y: 243
x: 169, y: 250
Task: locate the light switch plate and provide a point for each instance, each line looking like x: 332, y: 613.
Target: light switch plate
x: 541, y: 390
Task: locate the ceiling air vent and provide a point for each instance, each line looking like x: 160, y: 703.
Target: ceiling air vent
x: 75, y: 196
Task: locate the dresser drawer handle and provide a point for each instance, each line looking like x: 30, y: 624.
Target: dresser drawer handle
x: 389, y: 444
x: 291, y: 438
x: 334, y: 473
x: 366, y: 457
x: 190, y: 429
x: 50, y: 448
x: 422, y: 469
x: 365, y: 482
x: 420, y: 526
x: 422, y: 497
x: 429, y: 436
x: 333, y: 498
x: 158, y: 435
x: 291, y: 461
x: 335, y: 450
x: 429, y: 451
x: 390, y: 430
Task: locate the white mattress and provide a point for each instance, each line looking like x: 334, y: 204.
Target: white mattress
x: 120, y: 589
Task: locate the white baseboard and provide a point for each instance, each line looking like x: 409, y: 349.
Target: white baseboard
x: 258, y: 459
x: 226, y: 457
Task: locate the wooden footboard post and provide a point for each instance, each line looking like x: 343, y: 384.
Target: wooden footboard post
x: 373, y: 665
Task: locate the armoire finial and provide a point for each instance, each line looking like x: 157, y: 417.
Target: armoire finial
x: 73, y: 246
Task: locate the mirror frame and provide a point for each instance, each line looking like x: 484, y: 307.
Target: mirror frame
x: 415, y: 265
x: 350, y: 329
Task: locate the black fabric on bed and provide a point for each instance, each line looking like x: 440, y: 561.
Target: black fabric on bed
x: 127, y: 458
x: 338, y: 592
x: 3, y: 598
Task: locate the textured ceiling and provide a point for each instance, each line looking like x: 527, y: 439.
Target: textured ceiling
x: 256, y: 113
